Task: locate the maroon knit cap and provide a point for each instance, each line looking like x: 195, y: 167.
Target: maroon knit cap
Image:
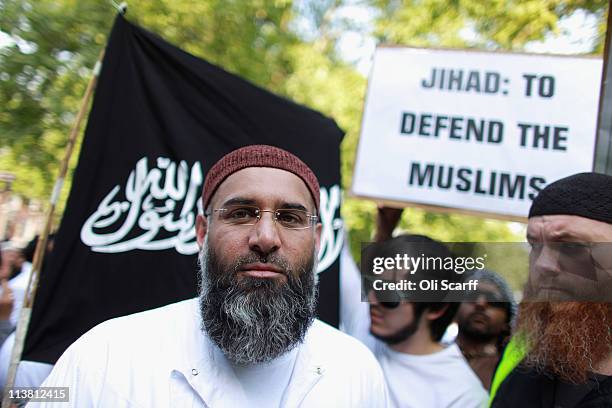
x: 258, y: 156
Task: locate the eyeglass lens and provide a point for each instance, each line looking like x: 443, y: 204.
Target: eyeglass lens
x: 249, y: 215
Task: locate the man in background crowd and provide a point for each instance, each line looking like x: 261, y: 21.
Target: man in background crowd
x: 14, y: 260
x: 561, y: 354
x: 419, y: 370
x: 6, y: 296
x: 29, y: 373
x: 13, y: 265
x: 484, y: 323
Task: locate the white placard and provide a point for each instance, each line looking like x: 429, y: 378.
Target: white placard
x: 474, y: 131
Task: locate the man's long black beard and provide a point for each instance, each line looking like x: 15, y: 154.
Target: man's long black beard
x: 255, y: 320
x: 402, y: 334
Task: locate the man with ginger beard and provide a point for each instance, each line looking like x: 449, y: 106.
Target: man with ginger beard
x: 251, y: 338
x: 561, y: 355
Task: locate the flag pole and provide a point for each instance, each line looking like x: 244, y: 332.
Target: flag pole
x: 39, y: 254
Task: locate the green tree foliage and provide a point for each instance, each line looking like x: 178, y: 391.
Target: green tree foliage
x: 497, y: 24
x: 43, y: 74
x: 289, y: 47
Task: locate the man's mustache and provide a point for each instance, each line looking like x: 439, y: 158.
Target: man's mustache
x: 278, y: 262
x: 479, y: 315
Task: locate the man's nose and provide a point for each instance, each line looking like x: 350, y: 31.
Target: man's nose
x: 547, y: 262
x: 264, y: 236
x: 481, y: 302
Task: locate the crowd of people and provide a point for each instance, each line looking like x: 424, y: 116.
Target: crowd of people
x: 251, y: 337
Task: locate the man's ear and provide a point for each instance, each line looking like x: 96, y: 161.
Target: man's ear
x: 201, y: 229
x: 317, y: 232
x: 435, y: 314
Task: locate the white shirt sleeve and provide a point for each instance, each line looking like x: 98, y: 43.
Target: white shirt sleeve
x: 475, y: 398
x: 69, y: 371
x: 82, y: 368
x: 378, y: 394
x: 354, y: 313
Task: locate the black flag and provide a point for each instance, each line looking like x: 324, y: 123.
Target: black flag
x: 160, y: 119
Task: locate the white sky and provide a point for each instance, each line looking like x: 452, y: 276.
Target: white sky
x: 4, y: 39
x: 576, y: 36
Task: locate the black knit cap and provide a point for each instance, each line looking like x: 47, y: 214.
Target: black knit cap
x: 586, y: 195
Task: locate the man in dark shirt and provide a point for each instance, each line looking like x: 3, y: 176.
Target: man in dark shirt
x: 563, y: 344
x: 484, y: 323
